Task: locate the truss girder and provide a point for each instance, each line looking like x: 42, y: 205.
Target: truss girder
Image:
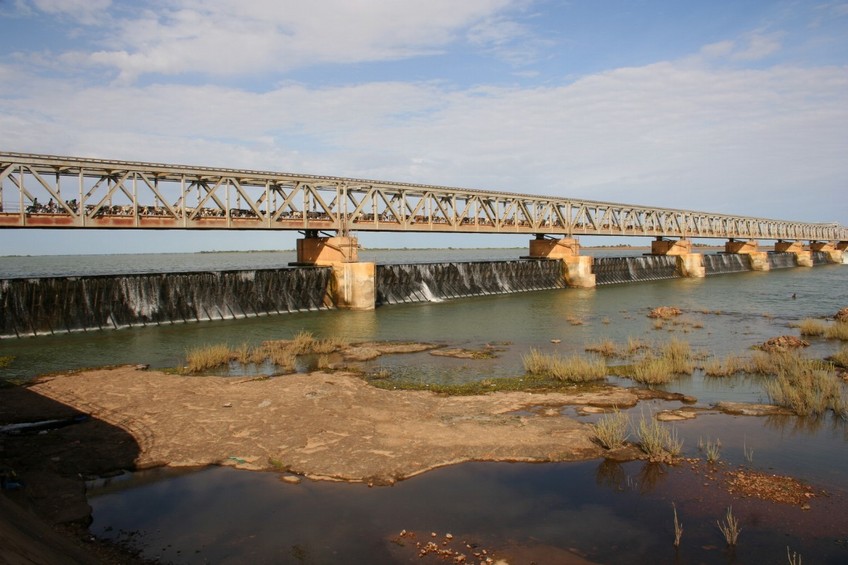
x: 50, y: 191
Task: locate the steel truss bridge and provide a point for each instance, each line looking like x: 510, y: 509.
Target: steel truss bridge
x: 43, y: 191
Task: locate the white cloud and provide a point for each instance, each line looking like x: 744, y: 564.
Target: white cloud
x: 84, y: 11
x: 767, y: 142
x: 225, y: 37
x: 752, y: 47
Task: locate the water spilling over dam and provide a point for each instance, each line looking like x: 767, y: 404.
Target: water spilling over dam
x: 68, y: 304
x: 428, y: 282
x: 59, y: 304
x: 610, y: 270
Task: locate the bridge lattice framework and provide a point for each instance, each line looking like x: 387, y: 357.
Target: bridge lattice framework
x: 44, y: 191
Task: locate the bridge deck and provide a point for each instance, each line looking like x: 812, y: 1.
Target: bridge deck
x: 41, y: 191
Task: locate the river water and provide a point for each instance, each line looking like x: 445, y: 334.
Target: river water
x: 608, y: 513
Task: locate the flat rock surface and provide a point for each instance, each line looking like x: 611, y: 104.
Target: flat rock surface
x: 324, y: 425
x: 747, y: 409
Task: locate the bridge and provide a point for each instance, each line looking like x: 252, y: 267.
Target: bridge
x: 42, y: 191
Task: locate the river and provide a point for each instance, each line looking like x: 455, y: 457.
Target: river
x: 604, y: 512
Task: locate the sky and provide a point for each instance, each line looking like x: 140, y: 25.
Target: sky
x: 736, y: 106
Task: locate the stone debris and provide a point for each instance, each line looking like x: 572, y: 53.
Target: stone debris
x: 665, y: 312
x: 782, y: 343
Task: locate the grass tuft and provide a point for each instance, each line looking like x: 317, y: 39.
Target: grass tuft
x: 207, y: 357
x: 808, y: 387
x: 726, y: 367
x: 658, y: 441
x: 574, y: 369
x: 605, y: 347
x: 612, y: 430
x: 678, y: 527
x: 840, y: 358
x: 730, y: 527
x: 812, y: 327
x: 839, y: 331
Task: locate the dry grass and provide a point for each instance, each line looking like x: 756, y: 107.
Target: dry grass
x: 840, y: 358
x: 572, y: 369
x: 839, y: 331
x: 761, y: 363
x: 653, y: 371
x: 730, y: 527
x: 635, y: 344
x: 812, y: 327
x: 678, y: 527
x: 726, y: 367
x: 713, y: 450
x: 657, y: 440
x: 605, y: 347
x: 283, y: 353
x: 207, y: 357
x: 671, y: 359
x: 806, y: 386
x: 612, y: 430
x: 679, y: 354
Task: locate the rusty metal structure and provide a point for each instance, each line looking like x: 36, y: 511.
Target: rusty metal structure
x: 43, y: 191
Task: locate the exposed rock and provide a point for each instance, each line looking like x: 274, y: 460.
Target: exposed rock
x: 651, y: 394
x: 676, y: 415
x: 331, y: 426
x: 746, y: 409
x: 665, y: 312
x: 462, y: 353
x: 782, y: 343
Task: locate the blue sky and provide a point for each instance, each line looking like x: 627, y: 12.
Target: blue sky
x: 728, y: 106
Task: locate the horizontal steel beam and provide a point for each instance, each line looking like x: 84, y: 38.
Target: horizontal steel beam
x: 43, y: 191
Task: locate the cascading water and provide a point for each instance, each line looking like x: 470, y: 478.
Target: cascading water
x: 820, y: 258
x: 781, y: 260
x: 611, y: 270
x: 430, y: 282
x: 67, y: 304
x: 722, y: 263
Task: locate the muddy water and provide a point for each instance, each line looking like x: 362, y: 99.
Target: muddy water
x: 602, y: 511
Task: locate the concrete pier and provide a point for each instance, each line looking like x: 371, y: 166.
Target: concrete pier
x: 688, y: 264
x: 576, y: 269
x: 758, y: 259
x: 353, y: 285
x: 834, y: 254
x: 803, y: 257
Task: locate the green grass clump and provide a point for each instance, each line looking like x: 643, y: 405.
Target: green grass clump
x: 573, y: 369
x: 207, y: 357
x: 812, y: 327
x: 658, y: 441
x: 612, y: 430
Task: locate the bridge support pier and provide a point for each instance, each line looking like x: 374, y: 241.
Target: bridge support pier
x: 688, y: 264
x: 576, y: 269
x: 353, y: 285
x: 803, y: 257
x: 757, y: 258
x: 834, y: 255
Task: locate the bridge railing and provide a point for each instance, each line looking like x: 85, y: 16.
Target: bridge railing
x: 50, y: 191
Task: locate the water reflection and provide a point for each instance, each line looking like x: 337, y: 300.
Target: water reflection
x: 619, y: 476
